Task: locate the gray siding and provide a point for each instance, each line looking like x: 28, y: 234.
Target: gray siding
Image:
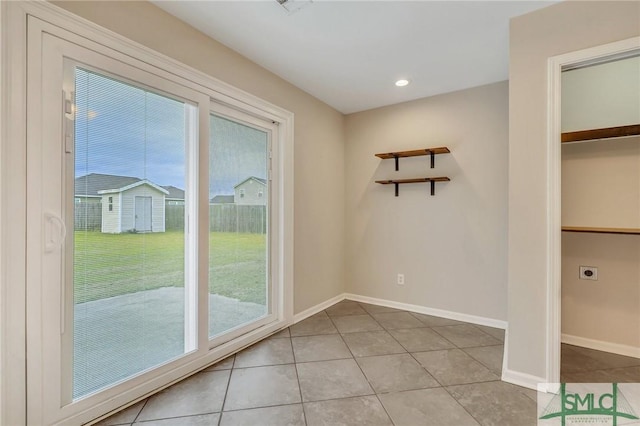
x: 248, y: 193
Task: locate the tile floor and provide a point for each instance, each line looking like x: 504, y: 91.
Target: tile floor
x: 352, y: 364
x: 582, y: 365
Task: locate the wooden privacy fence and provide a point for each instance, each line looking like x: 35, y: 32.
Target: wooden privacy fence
x: 173, y: 218
x: 223, y: 218
x: 88, y: 216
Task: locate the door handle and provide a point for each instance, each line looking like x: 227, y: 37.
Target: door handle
x: 55, y: 232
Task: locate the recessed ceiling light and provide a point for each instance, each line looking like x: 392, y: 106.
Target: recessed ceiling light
x: 402, y: 83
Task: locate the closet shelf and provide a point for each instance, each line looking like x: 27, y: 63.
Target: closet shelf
x: 398, y: 182
x: 415, y: 153
x: 601, y: 230
x: 609, y: 132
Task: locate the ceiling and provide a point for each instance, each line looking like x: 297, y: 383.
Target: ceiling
x: 350, y: 53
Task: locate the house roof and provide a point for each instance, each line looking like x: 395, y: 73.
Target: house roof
x: 174, y: 193
x: 223, y: 199
x: 133, y: 185
x: 260, y: 180
x: 96, y: 184
x: 89, y: 185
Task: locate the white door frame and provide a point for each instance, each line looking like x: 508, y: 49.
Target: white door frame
x: 554, y: 156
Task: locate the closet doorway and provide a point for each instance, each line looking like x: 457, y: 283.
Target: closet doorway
x: 600, y: 218
x: 596, y: 327
x: 559, y: 229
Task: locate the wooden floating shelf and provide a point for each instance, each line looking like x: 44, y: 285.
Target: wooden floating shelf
x: 398, y: 182
x: 415, y: 153
x: 601, y: 230
x: 609, y: 132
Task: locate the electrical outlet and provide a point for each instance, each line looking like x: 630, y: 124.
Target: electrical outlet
x: 400, y: 279
x: 589, y: 273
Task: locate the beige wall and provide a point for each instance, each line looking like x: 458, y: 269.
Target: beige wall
x: 451, y: 247
x: 601, y: 183
x: 601, y: 188
x: 613, y: 101
x: 558, y: 29
x: 607, y: 310
x: 319, y: 135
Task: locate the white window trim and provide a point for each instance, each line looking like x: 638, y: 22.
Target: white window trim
x: 13, y: 15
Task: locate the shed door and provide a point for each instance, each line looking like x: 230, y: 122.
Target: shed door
x: 143, y: 214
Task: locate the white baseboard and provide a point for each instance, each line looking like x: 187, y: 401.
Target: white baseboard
x: 473, y: 319
x: 600, y: 345
x: 518, y: 378
x: 523, y: 379
x: 490, y: 322
x: 317, y: 308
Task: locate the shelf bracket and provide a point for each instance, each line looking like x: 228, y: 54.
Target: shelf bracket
x: 397, y: 162
x: 433, y: 159
x: 397, y: 188
x: 433, y: 185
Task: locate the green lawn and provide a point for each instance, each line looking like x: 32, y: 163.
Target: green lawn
x: 107, y: 265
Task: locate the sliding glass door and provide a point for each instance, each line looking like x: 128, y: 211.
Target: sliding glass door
x: 154, y: 228
x: 128, y: 241
x: 239, y: 190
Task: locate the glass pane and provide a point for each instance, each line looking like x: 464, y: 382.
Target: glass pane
x: 238, y: 242
x: 129, y: 240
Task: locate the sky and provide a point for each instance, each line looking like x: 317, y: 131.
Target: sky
x: 128, y: 131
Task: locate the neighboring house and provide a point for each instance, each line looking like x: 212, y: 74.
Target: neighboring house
x: 222, y: 199
x: 175, y: 197
x: 251, y: 191
x: 87, y: 187
x: 128, y: 203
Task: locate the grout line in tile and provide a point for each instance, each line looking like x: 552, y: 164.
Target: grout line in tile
x: 477, y: 360
x: 440, y: 334
x: 425, y: 369
x: 385, y: 410
x: 295, y: 365
x: 142, y: 422
x: 311, y: 335
x: 474, y: 326
x: 226, y: 392
x: 359, y: 367
x: 260, y: 366
x: 416, y: 360
x: 339, y: 399
x: 139, y: 412
x: 235, y: 410
x: 463, y: 407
